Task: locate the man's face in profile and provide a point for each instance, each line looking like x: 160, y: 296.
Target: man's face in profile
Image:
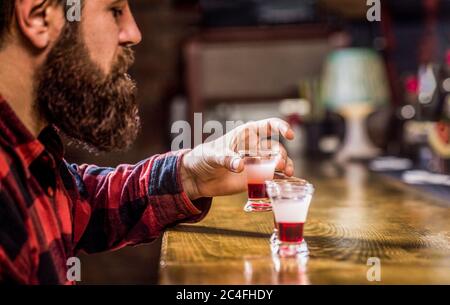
x: 83, y: 87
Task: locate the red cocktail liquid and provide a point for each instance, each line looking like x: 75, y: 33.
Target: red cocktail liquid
x: 290, y: 232
x: 257, y: 191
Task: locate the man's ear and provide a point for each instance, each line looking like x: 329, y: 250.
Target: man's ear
x: 35, y: 20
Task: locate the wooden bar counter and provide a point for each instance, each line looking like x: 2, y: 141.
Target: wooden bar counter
x: 355, y: 215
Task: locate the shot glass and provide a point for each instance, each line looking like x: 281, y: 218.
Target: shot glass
x: 259, y: 168
x: 291, y: 199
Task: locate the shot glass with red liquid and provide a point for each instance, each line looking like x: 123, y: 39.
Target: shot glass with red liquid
x: 259, y: 168
x: 290, y: 203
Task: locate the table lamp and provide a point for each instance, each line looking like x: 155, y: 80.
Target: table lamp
x: 354, y: 84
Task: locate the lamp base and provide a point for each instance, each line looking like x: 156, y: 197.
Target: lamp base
x: 357, y: 144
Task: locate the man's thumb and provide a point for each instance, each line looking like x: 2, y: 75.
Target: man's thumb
x: 234, y: 163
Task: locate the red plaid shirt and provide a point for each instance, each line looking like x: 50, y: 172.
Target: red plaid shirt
x: 50, y: 209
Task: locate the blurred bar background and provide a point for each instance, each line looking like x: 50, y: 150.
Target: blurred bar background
x: 252, y: 59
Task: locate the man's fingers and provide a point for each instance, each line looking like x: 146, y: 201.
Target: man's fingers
x: 273, y: 126
x: 281, y: 165
x: 253, y: 136
x: 289, y: 169
x: 282, y: 162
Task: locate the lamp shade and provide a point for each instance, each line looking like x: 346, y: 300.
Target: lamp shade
x: 354, y: 76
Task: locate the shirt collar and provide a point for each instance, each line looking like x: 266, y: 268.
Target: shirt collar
x: 27, y: 147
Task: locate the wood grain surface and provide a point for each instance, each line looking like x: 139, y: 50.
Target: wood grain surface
x: 354, y: 215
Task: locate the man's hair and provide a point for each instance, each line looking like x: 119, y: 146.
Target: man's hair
x: 6, y: 16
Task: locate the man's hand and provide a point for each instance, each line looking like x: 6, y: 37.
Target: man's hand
x: 216, y: 169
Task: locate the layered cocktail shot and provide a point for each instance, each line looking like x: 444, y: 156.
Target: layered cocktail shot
x: 259, y: 167
x: 290, y: 202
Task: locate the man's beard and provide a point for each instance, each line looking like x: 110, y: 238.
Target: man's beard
x: 91, y: 108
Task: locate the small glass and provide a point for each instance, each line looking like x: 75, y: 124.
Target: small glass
x: 259, y: 167
x: 291, y: 199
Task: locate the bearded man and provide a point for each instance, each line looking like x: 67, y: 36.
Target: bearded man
x: 59, y: 77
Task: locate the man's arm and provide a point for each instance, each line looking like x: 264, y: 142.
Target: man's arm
x: 131, y: 204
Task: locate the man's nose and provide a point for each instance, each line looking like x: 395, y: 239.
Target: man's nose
x: 130, y: 34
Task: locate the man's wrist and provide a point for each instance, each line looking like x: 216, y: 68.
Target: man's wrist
x: 188, y: 182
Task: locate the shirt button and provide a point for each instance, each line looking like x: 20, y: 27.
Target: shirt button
x: 50, y: 192
x: 181, y: 216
